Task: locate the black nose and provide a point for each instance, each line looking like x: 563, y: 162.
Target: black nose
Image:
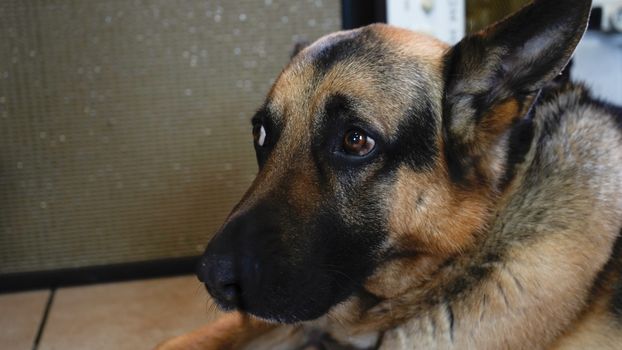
x: 219, y: 273
x: 236, y: 260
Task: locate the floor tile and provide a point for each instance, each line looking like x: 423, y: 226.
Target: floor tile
x: 129, y: 315
x: 20, y: 317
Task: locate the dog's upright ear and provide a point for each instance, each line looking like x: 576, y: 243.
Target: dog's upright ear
x: 299, y: 46
x: 493, y: 76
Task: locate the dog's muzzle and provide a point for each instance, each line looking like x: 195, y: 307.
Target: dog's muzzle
x: 231, y: 267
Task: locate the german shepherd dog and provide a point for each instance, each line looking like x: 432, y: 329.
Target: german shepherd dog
x: 413, y: 195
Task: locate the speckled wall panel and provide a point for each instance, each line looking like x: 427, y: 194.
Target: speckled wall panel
x: 124, y: 125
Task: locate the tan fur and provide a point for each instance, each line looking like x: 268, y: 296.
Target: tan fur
x: 443, y: 221
x: 410, y: 43
x: 231, y: 331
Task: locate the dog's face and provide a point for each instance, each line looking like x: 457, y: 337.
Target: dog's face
x: 345, y: 125
x: 372, y: 164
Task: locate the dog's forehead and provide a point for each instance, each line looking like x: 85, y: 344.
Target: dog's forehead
x: 382, y: 68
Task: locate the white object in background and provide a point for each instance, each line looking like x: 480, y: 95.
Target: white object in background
x: 612, y: 14
x: 598, y: 63
x: 444, y: 19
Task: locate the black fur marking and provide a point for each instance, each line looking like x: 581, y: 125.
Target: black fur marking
x: 347, y: 248
x: 521, y: 139
x: 616, y: 301
x: 398, y: 255
x: 457, y: 287
x: 616, y: 113
x: 415, y: 142
x: 450, y: 319
x: 467, y: 281
x: 616, y: 266
x: 609, y: 280
x: 492, y: 257
x: 458, y: 166
x: 345, y: 48
x: 362, y: 44
x: 464, y: 283
x: 367, y: 300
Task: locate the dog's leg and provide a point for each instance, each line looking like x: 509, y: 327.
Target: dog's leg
x: 231, y: 331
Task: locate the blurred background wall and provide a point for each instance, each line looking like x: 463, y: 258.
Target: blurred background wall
x: 125, y: 125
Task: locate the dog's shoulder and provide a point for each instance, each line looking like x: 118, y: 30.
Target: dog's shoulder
x: 600, y: 324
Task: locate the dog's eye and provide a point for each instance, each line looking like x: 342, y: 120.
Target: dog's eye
x: 259, y: 135
x: 356, y: 142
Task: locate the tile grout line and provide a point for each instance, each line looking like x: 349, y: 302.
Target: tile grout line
x: 44, y: 319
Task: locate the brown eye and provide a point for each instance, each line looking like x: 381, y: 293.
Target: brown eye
x: 259, y: 135
x: 356, y: 142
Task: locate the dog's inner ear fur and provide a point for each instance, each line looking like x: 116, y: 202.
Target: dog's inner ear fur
x: 493, y: 76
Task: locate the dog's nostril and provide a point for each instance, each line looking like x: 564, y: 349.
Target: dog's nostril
x: 221, y: 276
x: 231, y: 292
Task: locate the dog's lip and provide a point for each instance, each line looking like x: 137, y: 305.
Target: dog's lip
x: 224, y: 302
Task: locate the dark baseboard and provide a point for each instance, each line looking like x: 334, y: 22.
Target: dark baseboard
x: 97, y: 274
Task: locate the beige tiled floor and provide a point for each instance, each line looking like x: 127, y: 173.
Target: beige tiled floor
x: 20, y: 316
x: 127, y: 315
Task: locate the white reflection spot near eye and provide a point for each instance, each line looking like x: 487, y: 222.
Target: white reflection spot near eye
x: 262, y: 137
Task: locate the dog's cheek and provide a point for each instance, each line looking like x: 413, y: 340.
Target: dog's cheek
x: 396, y: 277
x: 431, y: 216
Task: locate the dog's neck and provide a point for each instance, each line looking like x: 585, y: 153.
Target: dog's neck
x: 530, y: 275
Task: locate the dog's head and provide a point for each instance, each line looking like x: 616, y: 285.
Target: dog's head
x: 381, y: 153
